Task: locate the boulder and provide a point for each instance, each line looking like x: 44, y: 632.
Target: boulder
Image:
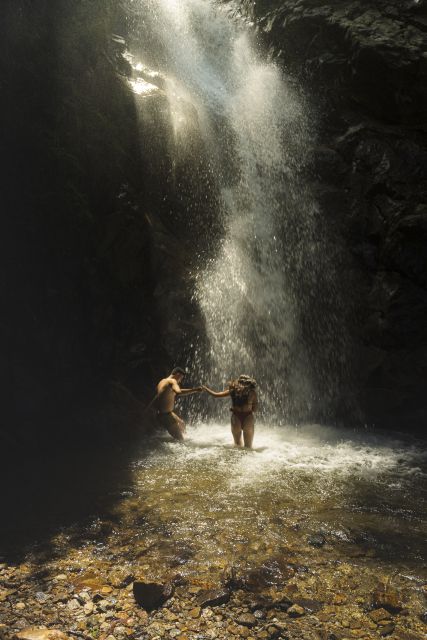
x: 213, y: 597
x: 387, y: 599
x: 151, y: 595
x: 247, y: 620
x: 274, y: 571
x: 296, y: 611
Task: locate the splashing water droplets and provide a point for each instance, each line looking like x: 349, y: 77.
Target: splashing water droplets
x: 256, y: 293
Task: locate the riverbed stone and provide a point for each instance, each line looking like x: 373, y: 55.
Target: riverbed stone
x: 259, y: 614
x: 151, y: 595
x: 247, y: 620
x: 387, y: 629
x: 296, y: 611
x: 121, y: 579
x: 387, y: 599
x: 41, y: 633
x: 213, y: 597
x: 42, y: 597
x: 310, y: 605
x: 379, y: 614
x: 316, y: 540
x: 73, y: 605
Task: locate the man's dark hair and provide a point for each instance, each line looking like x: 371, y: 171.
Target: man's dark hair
x: 176, y: 370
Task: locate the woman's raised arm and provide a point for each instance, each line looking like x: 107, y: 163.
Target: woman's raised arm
x: 217, y: 394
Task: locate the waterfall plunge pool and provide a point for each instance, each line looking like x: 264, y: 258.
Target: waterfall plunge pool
x: 331, y: 520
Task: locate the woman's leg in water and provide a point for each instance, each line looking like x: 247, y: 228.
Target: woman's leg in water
x: 236, y: 430
x: 248, y: 430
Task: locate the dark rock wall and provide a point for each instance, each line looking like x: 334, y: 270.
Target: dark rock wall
x: 76, y: 282
x: 363, y: 66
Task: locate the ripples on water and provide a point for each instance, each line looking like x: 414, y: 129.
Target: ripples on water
x: 364, y: 493
x: 319, y: 513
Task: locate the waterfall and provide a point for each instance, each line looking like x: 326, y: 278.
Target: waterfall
x: 267, y: 289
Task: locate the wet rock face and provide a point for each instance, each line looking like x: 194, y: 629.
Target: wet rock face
x: 74, y: 218
x: 364, y: 68
x: 369, y: 53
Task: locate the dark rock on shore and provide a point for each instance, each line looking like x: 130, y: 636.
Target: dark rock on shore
x: 275, y: 571
x: 213, y: 598
x: 247, y: 620
x: 387, y: 599
x: 151, y: 595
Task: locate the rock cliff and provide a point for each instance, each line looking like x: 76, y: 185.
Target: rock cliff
x: 76, y: 279
x: 363, y: 66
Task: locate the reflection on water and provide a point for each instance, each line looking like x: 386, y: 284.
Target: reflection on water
x: 364, y: 494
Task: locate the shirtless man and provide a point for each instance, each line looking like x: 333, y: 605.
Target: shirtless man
x: 167, y: 390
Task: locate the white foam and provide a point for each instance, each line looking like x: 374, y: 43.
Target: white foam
x: 313, y: 449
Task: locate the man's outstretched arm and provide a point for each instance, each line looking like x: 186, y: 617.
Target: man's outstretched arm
x: 184, y: 392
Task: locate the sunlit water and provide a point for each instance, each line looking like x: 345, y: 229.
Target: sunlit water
x: 205, y: 508
x: 314, y: 513
x: 268, y: 294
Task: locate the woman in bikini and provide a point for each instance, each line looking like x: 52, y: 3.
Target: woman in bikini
x: 244, y: 403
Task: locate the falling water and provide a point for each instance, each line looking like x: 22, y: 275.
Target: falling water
x: 267, y: 290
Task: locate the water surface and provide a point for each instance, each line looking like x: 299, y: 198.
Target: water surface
x: 312, y: 496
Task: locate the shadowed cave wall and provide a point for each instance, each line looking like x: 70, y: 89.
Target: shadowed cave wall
x: 76, y: 281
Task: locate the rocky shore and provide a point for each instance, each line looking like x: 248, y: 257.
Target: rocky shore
x: 101, y: 602
x: 203, y: 541
x: 94, y: 592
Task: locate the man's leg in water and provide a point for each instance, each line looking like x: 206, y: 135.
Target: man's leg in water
x: 236, y: 430
x: 176, y: 427
x: 248, y: 431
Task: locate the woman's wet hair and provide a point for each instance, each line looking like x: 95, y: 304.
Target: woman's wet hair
x: 241, y: 386
x: 240, y: 389
x: 247, y: 381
